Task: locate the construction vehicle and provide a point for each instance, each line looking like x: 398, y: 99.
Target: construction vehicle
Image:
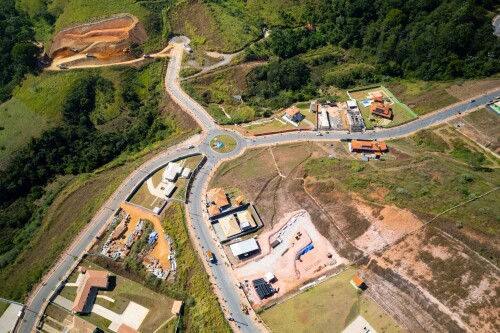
x: 210, y: 256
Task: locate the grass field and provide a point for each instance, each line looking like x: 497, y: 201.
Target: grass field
x: 400, y: 114
x: 218, y: 88
x: 3, y: 307
x: 17, y: 126
x: 281, y: 125
x: 202, y: 311
x: 328, y: 307
x: 486, y: 121
x: 229, y: 26
x: 228, y: 144
x: 191, y: 163
x: 57, y: 318
x: 144, y: 198
x: 430, y: 173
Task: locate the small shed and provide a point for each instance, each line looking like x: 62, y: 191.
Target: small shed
x: 269, y: 277
x: 358, y: 283
x: 177, y: 308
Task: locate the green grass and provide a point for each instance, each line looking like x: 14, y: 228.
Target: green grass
x: 427, y: 183
x: 144, y: 198
x: 229, y: 26
x: 37, y: 103
x: 202, y: 310
x: 229, y: 143
x: 255, y: 163
x: 3, y: 307
x: 486, y: 121
x: 17, y: 126
x: 267, y: 127
x: 191, y: 163
x: 44, y: 94
x: 328, y: 307
x: 97, y: 320
x: 422, y: 97
x: 212, y: 90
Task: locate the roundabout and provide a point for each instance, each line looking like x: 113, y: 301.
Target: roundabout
x: 223, y: 143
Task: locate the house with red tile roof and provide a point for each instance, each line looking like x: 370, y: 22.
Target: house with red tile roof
x: 91, y: 282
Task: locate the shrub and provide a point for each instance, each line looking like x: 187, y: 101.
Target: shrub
x: 402, y: 191
x: 466, y: 178
x: 424, y: 191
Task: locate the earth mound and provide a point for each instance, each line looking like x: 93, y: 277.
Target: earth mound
x: 103, y: 39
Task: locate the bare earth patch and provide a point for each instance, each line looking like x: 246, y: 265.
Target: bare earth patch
x: 282, y: 261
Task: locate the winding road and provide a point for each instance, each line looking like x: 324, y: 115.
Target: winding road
x: 222, y: 274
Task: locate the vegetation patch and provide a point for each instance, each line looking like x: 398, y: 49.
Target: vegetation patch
x: 223, y: 144
x: 41, y: 209
x: 313, y: 309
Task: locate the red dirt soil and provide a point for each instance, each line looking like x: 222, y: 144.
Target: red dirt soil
x: 102, y: 39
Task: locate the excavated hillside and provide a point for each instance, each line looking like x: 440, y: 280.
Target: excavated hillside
x: 103, y: 39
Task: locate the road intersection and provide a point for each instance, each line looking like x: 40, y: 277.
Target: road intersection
x: 224, y: 278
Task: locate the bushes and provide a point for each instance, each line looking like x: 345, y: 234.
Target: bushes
x: 431, y: 141
x: 473, y: 158
x: 17, y: 54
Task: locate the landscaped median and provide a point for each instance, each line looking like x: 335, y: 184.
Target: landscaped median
x: 223, y: 144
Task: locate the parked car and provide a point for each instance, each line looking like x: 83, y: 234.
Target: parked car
x: 190, y: 147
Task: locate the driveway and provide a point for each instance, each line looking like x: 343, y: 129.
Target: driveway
x: 133, y: 315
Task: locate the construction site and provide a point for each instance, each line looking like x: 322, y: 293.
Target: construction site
x: 289, y: 254
x: 132, y: 224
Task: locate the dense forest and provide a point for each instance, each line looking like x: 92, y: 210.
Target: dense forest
x: 17, y: 51
x: 423, y: 39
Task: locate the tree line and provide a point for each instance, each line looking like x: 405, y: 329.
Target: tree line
x: 76, y: 146
x: 17, y: 51
x: 422, y: 39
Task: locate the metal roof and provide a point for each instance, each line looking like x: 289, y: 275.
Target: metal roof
x: 243, y: 247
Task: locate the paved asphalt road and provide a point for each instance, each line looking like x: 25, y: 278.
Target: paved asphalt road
x: 224, y: 278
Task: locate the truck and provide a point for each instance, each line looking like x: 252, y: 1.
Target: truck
x: 210, y: 256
